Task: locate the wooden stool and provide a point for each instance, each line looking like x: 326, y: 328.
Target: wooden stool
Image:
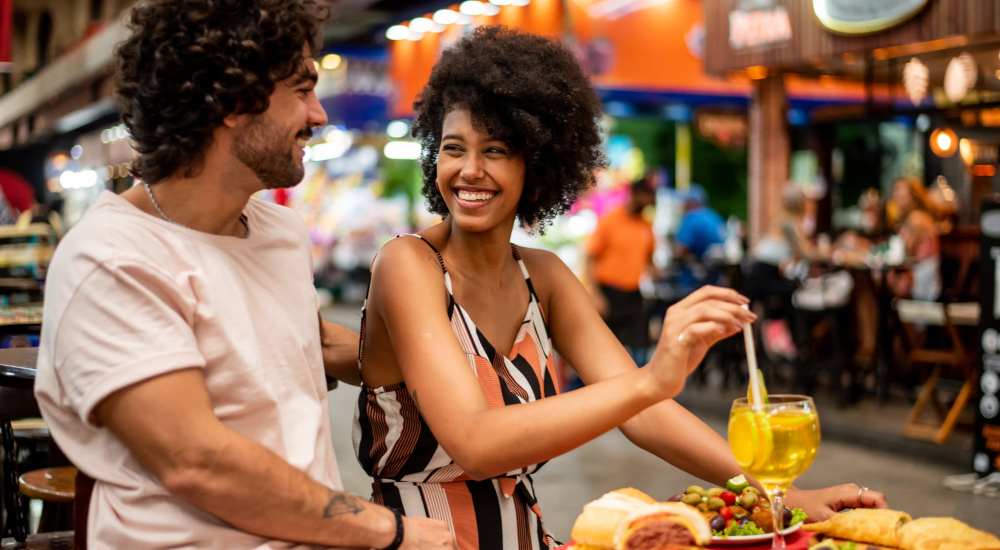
x: 56, y: 487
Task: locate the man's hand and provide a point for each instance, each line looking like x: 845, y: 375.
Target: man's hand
x: 820, y: 504
x: 340, y: 352
x: 425, y: 533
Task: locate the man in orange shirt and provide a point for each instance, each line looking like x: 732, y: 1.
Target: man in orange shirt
x: 618, y: 254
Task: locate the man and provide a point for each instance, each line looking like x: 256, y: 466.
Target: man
x: 181, y: 363
x: 618, y: 255
x: 701, y: 230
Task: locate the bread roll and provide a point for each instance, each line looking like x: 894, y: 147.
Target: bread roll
x: 663, y: 525
x: 630, y: 520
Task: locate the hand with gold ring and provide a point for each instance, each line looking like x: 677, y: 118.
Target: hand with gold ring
x: 820, y: 504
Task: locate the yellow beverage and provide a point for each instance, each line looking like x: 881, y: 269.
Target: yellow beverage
x: 775, y: 445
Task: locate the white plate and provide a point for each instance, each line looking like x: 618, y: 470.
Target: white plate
x: 751, y: 539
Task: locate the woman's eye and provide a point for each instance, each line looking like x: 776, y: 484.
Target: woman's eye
x: 451, y: 148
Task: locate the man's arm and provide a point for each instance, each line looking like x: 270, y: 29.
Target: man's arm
x: 340, y: 352
x: 168, y: 425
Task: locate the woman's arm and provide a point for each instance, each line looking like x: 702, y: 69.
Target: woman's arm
x: 407, y: 296
x: 665, y: 429
x: 585, y: 342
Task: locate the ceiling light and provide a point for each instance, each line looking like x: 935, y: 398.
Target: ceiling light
x: 490, y: 10
x: 397, y: 129
x: 445, y: 17
x: 472, y: 8
x: 944, y: 142
x: 421, y: 25
x: 397, y: 32
x: 402, y: 150
x: 331, y: 61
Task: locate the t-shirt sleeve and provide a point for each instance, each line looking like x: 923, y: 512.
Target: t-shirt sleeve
x: 686, y: 232
x: 598, y: 239
x: 126, y: 323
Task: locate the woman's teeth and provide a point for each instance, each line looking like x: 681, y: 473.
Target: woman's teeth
x: 475, y: 195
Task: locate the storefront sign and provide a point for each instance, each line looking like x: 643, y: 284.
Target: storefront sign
x: 986, y: 457
x: 751, y: 26
x: 726, y: 129
x: 864, y: 16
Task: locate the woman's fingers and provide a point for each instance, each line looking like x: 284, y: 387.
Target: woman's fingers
x: 709, y: 292
x: 713, y: 310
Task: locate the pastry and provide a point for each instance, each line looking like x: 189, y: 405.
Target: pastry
x: 944, y: 533
x: 872, y: 526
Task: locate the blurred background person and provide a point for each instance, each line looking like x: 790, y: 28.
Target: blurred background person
x: 619, y: 255
x: 699, y: 240
x: 909, y: 214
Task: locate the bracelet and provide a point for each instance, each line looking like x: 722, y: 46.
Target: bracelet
x: 398, y: 541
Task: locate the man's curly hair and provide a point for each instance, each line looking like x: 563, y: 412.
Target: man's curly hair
x: 529, y: 92
x: 188, y: 64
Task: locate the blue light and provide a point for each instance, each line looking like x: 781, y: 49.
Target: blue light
x: 798, y: 117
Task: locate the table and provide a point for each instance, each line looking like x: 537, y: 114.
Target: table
x: 17, y: 367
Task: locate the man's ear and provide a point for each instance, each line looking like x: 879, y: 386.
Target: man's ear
x: 234, y: 120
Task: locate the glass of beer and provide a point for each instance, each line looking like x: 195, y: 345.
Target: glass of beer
x: 775, y: 443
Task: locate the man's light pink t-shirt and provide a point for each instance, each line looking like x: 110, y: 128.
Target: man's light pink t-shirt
x: 130, y: 297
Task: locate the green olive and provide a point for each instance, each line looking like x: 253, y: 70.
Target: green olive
x: 748, y: 500
x: 693, y: 499
x: 716, y: 503
x: 695, y: 489
x: 715, y: 491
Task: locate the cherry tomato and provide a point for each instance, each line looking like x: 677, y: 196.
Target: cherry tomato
x: 726, y: 512
x: 728, y: 497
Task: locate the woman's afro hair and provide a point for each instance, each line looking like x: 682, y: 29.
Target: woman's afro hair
x: 529, y: 92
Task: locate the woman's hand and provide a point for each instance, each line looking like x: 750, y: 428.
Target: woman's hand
x: 820, y: 504
x: 690, y: 328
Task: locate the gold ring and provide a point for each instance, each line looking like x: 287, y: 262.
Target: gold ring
x: 861, y: 491
x: 682, y: 338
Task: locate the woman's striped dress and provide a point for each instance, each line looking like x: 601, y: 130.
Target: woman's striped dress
x: 415, y: 475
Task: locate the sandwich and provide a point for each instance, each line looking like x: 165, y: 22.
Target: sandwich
x: 631, y: 520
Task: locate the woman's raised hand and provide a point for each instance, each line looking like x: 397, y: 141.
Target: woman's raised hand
x: 690, y: 328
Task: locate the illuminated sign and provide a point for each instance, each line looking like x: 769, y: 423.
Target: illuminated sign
x: 864, y: 16
x: 753, y: 28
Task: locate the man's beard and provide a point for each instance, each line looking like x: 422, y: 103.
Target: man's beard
x: 261, y: 147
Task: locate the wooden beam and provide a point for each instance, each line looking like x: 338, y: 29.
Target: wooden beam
x: 768, y: 142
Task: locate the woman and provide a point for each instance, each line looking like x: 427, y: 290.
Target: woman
x: 460, y: 402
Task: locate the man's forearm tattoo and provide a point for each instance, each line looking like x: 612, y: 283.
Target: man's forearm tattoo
x: 340, y: 504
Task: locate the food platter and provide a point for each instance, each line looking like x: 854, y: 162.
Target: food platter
x: 751, y: 539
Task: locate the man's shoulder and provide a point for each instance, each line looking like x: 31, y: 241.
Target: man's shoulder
x: 276, y: 219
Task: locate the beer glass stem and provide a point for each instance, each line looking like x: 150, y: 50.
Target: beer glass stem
x: 778, y: 515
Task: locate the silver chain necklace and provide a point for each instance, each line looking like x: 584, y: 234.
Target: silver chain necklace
x: 156, y: 204
x: 159, y: 210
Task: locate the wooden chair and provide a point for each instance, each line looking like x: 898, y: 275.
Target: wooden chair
x: 953, y: 357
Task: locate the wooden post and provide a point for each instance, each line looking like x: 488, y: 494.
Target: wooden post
x: 768, y: 155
